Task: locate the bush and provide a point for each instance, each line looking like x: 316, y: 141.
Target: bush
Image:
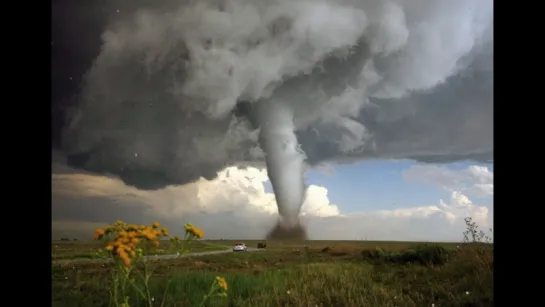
x: 373, y: 254
x: 427, y: 254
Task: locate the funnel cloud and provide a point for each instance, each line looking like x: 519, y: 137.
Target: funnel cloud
x: 284, y: 159
x: 179, y: 90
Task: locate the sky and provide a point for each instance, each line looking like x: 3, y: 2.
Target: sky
x: 157, y: 108
x: 372, y: 184
x: 371, y: 200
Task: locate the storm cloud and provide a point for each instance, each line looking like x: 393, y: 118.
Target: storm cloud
x: 170, y: 96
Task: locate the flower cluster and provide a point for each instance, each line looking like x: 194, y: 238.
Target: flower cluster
x: 222, y: 284
x: 193, y: 231
x: 125, y: 239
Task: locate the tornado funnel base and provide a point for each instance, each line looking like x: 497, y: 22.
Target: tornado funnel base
x: 282, y: 232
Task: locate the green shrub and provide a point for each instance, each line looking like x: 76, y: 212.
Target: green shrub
x: 427, y: 254
x: 374, y: 254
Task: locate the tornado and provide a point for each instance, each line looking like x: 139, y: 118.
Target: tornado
x: 285, y: 166
x: 169, y: 91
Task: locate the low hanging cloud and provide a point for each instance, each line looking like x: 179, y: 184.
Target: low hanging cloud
x: 234, y: 190
x: 236, y: 205
x: 76, y: 229
x: 475, y: 180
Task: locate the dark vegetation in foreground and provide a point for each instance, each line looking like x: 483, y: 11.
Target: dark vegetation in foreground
x: 343, y: 275
x: 306, y: 273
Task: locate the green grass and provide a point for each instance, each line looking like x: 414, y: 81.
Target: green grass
x: 347, y: 274
x: 295, y: 244
x: 88, y: 250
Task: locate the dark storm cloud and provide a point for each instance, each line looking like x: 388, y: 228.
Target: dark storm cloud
x: 94, y: 203
x: 452, y: 122
x: 157, y: 105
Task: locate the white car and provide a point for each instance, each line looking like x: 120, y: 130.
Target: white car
x: 240, y: 247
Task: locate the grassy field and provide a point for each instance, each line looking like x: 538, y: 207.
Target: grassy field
x: 88, y: 249
x: 311, y: 273
x: 319, y: 244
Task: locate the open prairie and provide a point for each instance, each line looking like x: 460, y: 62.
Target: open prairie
x: 294, y: 273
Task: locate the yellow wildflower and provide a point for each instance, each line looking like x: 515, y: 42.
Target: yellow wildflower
x: 124, y: 245
x: 194, y: 230
x: 99, y: 233
x: 221, y: 283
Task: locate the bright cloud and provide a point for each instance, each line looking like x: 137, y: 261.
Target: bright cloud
x: 233, y: 190
x: 460, y: 206
x: 236, y: 205
x: 475, y: 180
